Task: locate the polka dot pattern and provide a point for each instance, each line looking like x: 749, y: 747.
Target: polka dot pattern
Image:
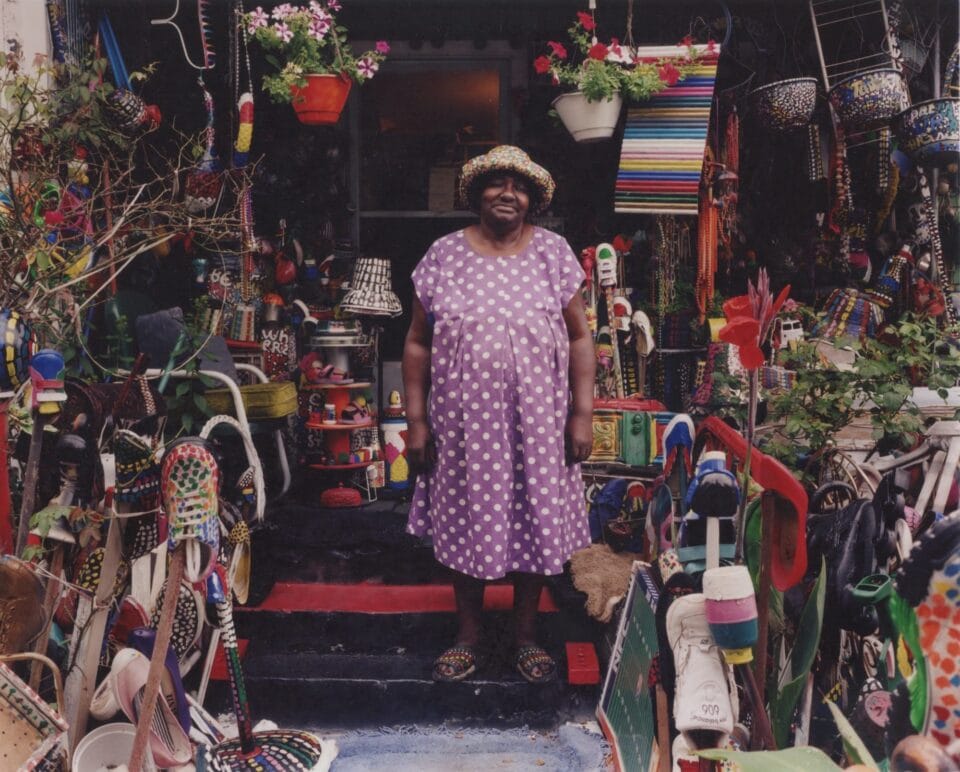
x: 500, y: 497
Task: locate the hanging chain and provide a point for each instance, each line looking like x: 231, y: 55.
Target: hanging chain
x: 628, y: 35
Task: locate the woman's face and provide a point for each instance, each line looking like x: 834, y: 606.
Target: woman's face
x: 505, y: 200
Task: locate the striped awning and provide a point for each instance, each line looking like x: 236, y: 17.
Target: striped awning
x: 663, y: 143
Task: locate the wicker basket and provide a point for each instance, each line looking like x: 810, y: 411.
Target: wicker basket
x: 261, y: 400
x: 34, y: 735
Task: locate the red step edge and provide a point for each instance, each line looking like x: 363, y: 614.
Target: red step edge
x: 382, y: 598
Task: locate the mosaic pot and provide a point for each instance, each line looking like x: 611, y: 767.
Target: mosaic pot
x: 869, y: 99
x: 929, y: 132
x: 784, y: 104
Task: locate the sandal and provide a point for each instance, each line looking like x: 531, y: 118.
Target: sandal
x: 455, y: 664
x: 331, y: 376
x: 535, y: 665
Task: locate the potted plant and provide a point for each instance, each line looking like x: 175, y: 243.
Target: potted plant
x: 314, y: 64
x: 600, y: 75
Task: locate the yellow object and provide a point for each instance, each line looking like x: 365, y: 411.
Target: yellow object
x: 261, y: 400
x: 738, y: 656
x: 716, y: 324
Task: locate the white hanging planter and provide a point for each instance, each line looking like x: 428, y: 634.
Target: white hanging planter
x: 588, y: 121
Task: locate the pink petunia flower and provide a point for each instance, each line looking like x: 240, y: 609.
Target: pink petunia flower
x: 283, y: 32
x: 258, y: 19
x: 558, y: 49
x: 333, y: 5
x: 367, y: 67
x: 586, y: 20
x: 283, y: 11
x: 383, y: 47
x: 318, y: 28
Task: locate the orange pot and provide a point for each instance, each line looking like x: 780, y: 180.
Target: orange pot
x: 321, y: 101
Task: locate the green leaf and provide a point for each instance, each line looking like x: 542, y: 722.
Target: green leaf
x: 805, y: 759
x: 853, y: 746
x: 187, y: 421
x: 183, y: 388
x: 201, y: 402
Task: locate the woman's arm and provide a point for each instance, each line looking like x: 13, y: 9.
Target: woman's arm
x: 579, y: 429
x: 416, y: 387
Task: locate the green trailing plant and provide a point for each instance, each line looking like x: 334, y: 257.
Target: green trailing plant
x: 880, y: 386
x: 602, y: 70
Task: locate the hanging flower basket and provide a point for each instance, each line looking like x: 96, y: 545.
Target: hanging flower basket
x: 321, y: 101
x: 588, y: 121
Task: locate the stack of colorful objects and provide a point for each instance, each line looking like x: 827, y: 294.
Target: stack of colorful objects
x: 664, y: 140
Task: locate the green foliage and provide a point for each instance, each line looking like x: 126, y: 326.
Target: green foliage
x: 307, y: 40
x: 912, y: 352
x: 602, y: 71
x: 187, y: 407
x: 804, y: 759
x: 853, y: 746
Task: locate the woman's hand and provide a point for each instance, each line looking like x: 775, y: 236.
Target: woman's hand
x: 578, y: 438
x: 421, y: 450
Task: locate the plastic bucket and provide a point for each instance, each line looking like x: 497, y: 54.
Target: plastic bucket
x: 107, y: 747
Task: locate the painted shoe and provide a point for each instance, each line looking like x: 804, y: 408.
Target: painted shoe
x: 714, y: 491
x: 171, y: 688
x: 606, y: 265
x: 702, y: 707
x: 169, y: 743
x: 678, y: 437
x: 190, y: 482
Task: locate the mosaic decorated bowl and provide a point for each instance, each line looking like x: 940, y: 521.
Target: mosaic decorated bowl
x: 869, y: 99
x: 929, y: 132
x: 784, y: 104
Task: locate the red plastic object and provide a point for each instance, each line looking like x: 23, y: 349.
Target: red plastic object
x: 218, y: 672
x: 789, y: 533
x: 583, y: 667
x: 321, y: 101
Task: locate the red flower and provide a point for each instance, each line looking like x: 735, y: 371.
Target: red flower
x: 621, y: 244
x: 541, y: 64
x: 598, y: 51
x: 558, y: 50
x: 744, y: 332
x: 668, y: 74
x: 711, y: 47
x: 686, y: 42
x: 737, y: 306
x: 586, y: 20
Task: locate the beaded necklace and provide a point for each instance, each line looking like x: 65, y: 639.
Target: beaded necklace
x: 936, y: 246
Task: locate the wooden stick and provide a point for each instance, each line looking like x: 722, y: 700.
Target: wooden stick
x: 761, y: 722
x: 51, y: 594
x: 767, y: 505
x: 6, y: 509
x: 157, y: 660
x: 30, y: 476
x: 663, y: 731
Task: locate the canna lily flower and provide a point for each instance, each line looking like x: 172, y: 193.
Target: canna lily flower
x: 750, y: 318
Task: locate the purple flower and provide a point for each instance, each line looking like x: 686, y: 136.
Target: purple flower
x: 333, y: 5
x: 319, y: 28
x: 283, y: 32
x: 258, y: 18
x: 283, y: 11
x: 383, y: 47
x: 367, y: 67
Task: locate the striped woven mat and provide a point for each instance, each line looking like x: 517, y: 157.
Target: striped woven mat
x: 663, y: 142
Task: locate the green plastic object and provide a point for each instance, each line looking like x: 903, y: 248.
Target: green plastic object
x: 873, y: 589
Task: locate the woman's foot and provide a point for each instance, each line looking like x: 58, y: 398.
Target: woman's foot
x: 455, y: 664
x: 535, y: 665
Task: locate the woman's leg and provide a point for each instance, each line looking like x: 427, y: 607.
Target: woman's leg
x: 468, y: 592
x: 526, y: 599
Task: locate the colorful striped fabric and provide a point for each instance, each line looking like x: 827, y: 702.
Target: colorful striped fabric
x: 662, y: 154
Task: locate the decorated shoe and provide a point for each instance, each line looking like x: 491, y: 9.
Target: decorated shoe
x: 190, y: 481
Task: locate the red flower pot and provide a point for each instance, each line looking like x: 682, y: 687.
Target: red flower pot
x: 321, y: 101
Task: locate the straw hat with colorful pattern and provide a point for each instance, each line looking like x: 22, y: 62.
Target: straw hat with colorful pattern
x: 508, y: 158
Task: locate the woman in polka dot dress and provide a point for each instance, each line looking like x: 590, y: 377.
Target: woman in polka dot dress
x: 498, y: 372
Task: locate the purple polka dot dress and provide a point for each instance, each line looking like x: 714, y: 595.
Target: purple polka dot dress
x: 501, y: 497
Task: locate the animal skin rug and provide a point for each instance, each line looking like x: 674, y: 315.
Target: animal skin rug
x: 604, y: 575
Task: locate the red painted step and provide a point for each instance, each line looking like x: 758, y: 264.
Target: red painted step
x: 383, y: 599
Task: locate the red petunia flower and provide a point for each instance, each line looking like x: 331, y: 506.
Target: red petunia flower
x: 541, y: 64
x: 586, y: 20
x: 558, y: 49
x: 711, y: 46
x: 686, y: 41
x: 668, y: 74
x: 598, y: 51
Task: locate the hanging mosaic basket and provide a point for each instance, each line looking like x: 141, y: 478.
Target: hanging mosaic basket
x: 869, y: 99
x: 929, y: 132
x: 588, y: 121
x: 321, y: 101
x: 785, y: 104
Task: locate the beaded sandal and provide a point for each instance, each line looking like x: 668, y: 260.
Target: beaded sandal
x: 535, y: 665
x: 455, y: 664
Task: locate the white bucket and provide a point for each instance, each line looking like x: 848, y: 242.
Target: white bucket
x: 588, y: 121
x: 107, y: 748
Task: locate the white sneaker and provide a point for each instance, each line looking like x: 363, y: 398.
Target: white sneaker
x: 702, y: 707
